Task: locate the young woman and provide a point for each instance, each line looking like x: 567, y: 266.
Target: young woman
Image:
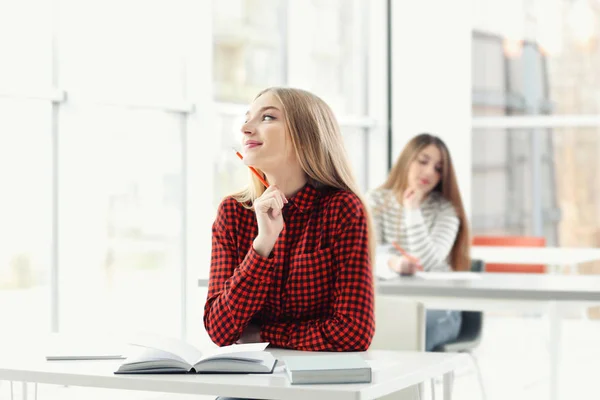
x: 419, y: 209
x: 291, y: 263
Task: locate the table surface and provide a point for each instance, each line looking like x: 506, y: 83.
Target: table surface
x: 392, y: 371
x: 543, y: 287
x: 535, y: 255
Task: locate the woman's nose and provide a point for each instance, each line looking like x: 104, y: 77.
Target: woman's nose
x: 430, y: 171
x: 247, y: 128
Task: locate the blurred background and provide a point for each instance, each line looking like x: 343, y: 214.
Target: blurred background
x: 118, y: 118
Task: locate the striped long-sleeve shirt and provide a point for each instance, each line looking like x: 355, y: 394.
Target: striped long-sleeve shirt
x: 427, y: 232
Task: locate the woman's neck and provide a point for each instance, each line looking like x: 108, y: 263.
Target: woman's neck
x: 288, y: 183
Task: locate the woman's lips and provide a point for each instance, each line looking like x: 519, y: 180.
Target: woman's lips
x: 251, y: 145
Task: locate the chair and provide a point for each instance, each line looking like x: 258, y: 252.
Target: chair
x: 399, y: 325
x: 516, y: 241
x: 469, y: 336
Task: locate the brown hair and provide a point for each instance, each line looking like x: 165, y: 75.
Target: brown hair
x: 317, y: 141
x: 397, y: 182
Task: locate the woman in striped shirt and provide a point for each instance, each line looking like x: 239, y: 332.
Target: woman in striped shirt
x: 420, y: 209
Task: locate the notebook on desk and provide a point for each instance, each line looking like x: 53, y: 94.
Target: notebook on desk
x: 157, y: 354
x: 331, y: 368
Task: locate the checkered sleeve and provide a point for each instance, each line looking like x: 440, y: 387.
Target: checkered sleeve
x: 235, y: 291
x: 350, y: 324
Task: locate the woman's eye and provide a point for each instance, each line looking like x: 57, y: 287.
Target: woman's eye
x: 423, y: 162
x: 268, y: 117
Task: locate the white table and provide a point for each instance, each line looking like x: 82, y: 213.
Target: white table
x: 484, y: 292
x: 392, y: 372
x: 553, y: 256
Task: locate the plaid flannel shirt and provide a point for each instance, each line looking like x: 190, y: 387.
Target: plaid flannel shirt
x: 314, y: 291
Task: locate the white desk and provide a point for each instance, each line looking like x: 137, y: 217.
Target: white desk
x: 502, y: 291
x: 392, y: 372
x: 554, y: 256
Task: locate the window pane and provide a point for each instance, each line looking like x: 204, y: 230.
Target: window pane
x: 551, y: 50
x: 569, y: 187
x: 25, y: 48
x: 248, y: 50
x: 335, y: 61
x: 26, y: 215
x: 120, y: 215
x: 129, y: 48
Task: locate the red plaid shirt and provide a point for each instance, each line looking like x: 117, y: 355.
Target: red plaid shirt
x: 315, y: 290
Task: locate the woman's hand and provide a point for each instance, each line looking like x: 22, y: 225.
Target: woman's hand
x: 412, y: 198
x: 403, y: 265
x: 270, y: 219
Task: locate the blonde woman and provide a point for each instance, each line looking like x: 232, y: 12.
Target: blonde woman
x: 419, y: 209
x: 291, y: 263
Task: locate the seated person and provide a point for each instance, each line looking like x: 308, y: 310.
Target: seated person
x: 420, y: 209
x: 291, y: 263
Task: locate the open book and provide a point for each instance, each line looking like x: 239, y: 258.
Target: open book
x: 159, y: 355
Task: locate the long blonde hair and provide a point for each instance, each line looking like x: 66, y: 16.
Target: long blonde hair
x: 317, y: 141
x: 397, y: 182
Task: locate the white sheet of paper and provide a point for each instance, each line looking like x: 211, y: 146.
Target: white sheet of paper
x: 449, y: 276
x: 385, y: 273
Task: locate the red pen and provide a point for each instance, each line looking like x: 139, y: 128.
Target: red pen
x: 405, y: 254
x: 258, y: 175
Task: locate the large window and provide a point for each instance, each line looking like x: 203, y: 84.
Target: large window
x: 124, y: 198
x: 26, y: 214
x: 536, y: 104
x: 117, y: 121
x: 93, y: 130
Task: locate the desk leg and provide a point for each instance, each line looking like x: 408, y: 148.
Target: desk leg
x: 554, y: 349
x: 448, y: 384
x: 25, y: 392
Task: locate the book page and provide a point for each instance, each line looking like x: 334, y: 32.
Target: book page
x: 234, y: 348
x: 174, y: 346
x: 384, y: 273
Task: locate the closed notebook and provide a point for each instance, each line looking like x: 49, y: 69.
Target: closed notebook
x: 330, y: 368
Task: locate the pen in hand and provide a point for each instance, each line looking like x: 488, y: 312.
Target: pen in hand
x: 258, y: 175
x: 408, y: 256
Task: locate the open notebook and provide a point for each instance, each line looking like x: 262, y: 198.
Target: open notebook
x: 168, y: 355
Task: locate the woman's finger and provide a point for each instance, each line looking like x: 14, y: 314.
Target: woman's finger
x: 275, y: 206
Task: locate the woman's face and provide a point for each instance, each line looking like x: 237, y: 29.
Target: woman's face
x: 425, y: 171
x: 265, y: 140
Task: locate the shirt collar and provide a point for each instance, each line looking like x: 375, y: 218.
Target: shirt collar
x: 304, y: 200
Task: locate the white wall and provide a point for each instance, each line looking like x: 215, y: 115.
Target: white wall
x: 431, y: 78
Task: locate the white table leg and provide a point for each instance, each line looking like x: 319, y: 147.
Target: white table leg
x: 448, y: 385
x: 25, y: 392
x: 554, y: 349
